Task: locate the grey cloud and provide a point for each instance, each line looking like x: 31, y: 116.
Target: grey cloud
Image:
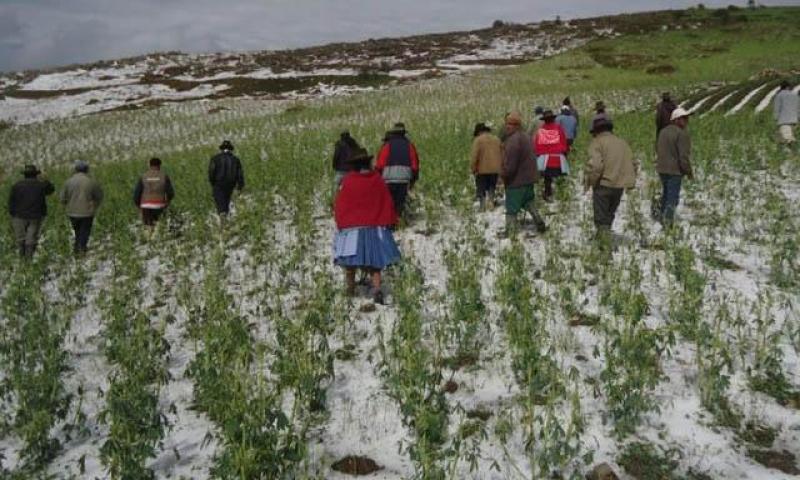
x: 39, y: 33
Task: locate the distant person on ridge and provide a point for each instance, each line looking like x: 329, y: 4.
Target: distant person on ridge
x: 398, y: 162
x: 364, y: 214
x: 153, y: 193
x: 81, y: 196
x: 550, y: 147
x: 673, y: 162
x: 519, y: 175
x: 486, y: 159
x: 224, y: 174
x: 664, y: 112
x: 345, y: 147
x: 610, y: 170
x: 568, y: 123
x: 786, y: 105
x: 27, y: 205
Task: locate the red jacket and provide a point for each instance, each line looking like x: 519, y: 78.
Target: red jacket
x: 398, y: 160
x: 550, y: 139
x: 364, y: 201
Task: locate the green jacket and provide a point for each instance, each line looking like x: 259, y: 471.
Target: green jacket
x: 674, y: 151
x: 81, y: 196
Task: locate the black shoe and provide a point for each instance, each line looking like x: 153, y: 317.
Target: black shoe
x: 377, y: 297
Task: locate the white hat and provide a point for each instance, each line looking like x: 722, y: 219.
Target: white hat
x: 678, y: 113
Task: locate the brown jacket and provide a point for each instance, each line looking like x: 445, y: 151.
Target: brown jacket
x: 611, y: 163
x: 674, y: 151
x: 487, y: 155
x: 519, y: 166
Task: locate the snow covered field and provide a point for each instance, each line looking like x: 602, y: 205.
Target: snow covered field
x: 210, y: 352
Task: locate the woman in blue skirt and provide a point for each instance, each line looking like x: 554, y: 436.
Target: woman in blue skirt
x: 364, y: 215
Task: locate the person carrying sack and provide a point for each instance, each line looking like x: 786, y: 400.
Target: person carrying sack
x: 153, y: 193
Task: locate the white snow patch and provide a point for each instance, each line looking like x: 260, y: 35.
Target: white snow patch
x: 767, y: 100
x: 746, y: 99
x: 95, y: 78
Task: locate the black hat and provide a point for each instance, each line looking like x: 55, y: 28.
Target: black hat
x: 359, y: 158
x: 480, y: 128
x: 538, y: 110
x: 226, y: 145
x: 548, y: 114
x: 30, y: 171
x: 398, y: 127
x: 601, y: 123
x: 600, y: 106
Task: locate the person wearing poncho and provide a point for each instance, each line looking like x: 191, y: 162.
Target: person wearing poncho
x: 364, y: 213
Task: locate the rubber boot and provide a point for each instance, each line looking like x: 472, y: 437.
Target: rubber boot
x: 29, y: 251
x: 538, y: 221
x: 23, y: 251
x: 512, y: 226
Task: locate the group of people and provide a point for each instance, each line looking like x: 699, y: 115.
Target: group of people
x: 82, y: 195
x: 27, y: 204
x: 372, y: 193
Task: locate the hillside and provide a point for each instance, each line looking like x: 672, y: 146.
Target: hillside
x: 234, y: 353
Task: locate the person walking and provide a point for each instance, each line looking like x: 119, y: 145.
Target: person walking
x: 519, y: 175
x: 664, y: 112
x: 153, y: 193
x: 551, y: 147
x: 364, y: 214
x: 610, y: 170
x: 572, y: 110
x: 786, y: 105
x: 343, y: 150
x: 673, y: 162
x: 486, y: 159
x: 398, y: 163
x: 81, y: 196
x: 225, y: 173
x: 568, y: 123
x: 27, y: 205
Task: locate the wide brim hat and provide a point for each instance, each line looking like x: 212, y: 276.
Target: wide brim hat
x: 679, y: 113
x: 399, y: 128
x: 226, y: 145
x: 480, y: 128
x: 359, y: 155
x: 31, y: 170
x: 600, y: 120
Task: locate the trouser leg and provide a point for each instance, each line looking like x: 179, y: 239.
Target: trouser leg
x: 19, y: 225
x: 605, y: 202
x: 548, y: 187
x: 83, y: 229
x: 399, y: 193
x: 670, y: 197
x: 32, y: 229
x: 222, y: 199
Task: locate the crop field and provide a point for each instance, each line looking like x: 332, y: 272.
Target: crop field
x: 234, y: 353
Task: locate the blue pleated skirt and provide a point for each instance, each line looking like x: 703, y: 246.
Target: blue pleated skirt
x: 365, y: 247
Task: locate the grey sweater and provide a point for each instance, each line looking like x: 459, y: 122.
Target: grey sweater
x: 786, y: 104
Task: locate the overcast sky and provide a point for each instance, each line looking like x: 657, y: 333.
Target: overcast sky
x: 42, y: 33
